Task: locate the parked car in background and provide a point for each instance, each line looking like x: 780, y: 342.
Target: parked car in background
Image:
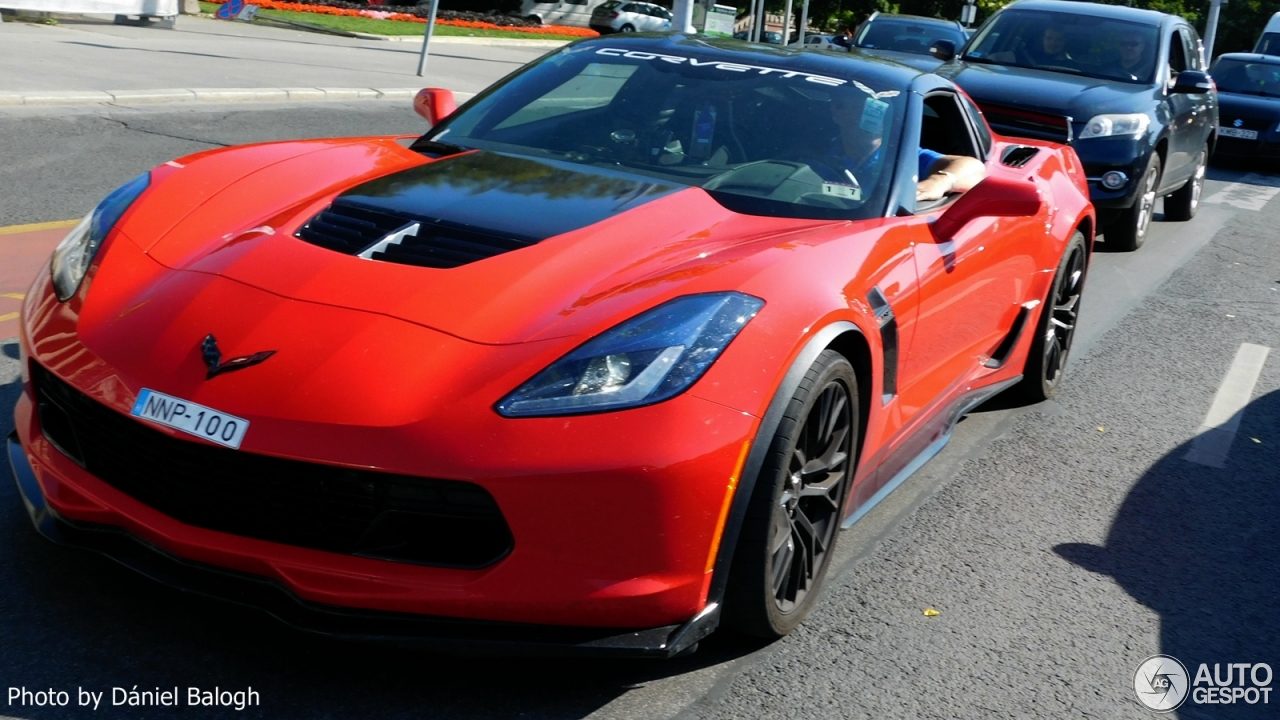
x: 619, y: 16
x: 1269, y: 40
x: 1127, y: 88
x: 1248, y: 105
x: 818, y: 42
x: 768, y: 36
x: 562, y: 12
x: 907, y: 38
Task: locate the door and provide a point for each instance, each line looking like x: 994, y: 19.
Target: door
x: 972, y: 283
x: 576, y: 13
x: 1184, y: 141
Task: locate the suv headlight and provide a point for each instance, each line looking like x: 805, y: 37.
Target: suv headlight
x: 1115, y: 125
x: 73, y: 255
x: 647, y: 359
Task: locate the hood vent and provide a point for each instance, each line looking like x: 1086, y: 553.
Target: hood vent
x: 1018, y: 155
x: 402, y: 239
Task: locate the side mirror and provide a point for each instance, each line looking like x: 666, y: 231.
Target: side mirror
x: 993, y: 197
x: 434, y: 104
x: 1192, y: 82
x: 944, y: 50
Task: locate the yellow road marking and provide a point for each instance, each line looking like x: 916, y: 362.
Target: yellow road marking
x: 8, y: 316
x: 15, y: 229
x: 14, y: 296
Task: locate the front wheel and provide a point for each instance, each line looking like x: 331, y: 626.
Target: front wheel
x: 1056, y: 328
x: 628, y: 28
x: 794, y: 514
x: 1183, y: 203
x: 1129, y: 230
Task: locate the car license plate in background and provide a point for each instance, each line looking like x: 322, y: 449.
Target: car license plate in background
x: 1238, y: 133
x: 190, y: 418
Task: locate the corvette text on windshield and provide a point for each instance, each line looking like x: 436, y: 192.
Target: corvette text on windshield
x: 720, y: 65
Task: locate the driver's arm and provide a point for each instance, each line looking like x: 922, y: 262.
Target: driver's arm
x: 948, y: 174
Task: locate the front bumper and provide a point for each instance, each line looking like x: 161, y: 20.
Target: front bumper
x: 459, y: 636
x: 1102, y: 155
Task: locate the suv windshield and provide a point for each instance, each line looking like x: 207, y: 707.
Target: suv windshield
x: 761, y: 139
x: 1247, y: 78
x: 906, y: 35
x: 1069, y: 43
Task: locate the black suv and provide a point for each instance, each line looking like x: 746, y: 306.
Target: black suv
x: 1126, y: 88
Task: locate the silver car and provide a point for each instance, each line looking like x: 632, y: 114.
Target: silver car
x: 620, y: 16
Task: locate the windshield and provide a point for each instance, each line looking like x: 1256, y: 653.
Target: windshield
x: 1069, y: 43
x: 761, y: 140
x: 1247, y: 78
x: 1268, y: 44
x: 906, y: 36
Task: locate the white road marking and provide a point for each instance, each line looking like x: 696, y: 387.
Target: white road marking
x: 1253, y: 192
x: 1219, y: 427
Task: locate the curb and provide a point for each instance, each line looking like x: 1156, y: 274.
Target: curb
x: 206, y: 95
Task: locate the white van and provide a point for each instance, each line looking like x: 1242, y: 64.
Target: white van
x: 1269, y: 41
x: 560, y: 12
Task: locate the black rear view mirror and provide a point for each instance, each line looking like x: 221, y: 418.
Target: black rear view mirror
x: 943, y: 50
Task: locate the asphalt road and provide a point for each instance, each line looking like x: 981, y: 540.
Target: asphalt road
x: 1061, y: 544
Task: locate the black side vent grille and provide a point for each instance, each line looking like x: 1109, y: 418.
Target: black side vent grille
x: 356, y: 231
x: 1018, y: 156
x: 348, y: 229
x: 1025, y: 123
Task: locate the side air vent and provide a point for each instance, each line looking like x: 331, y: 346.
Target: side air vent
x: 1019, y: 155
x: 402, y: 239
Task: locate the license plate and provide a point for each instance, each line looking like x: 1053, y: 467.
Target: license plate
x: 1238, y: 133
x: 203, y: 422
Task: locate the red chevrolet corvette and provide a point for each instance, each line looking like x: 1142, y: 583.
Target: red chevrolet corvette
x: 604, y: 360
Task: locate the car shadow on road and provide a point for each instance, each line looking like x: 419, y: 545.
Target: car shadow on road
x: 1201, y: 547
x: 72, y: 619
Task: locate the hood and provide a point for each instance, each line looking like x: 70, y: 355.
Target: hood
x: 1233, y: 106
x: 1051, y: 93
x: 579, y: 246
x: 923, y: 63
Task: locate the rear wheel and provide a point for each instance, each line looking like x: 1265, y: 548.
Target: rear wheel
x: 1184, y: 202
x: 1057, y: 326
x: 794, y: 514
x: 1129, y: 230
x: 627, y: 28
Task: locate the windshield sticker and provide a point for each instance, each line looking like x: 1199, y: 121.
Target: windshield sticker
x: 725, y: 66
x: 841, y: 190
x: 873, y: 112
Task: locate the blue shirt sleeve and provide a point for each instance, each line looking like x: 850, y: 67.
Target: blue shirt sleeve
x: 927, y: 159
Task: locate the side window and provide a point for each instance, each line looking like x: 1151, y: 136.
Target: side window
x: 944, y: 128
x: 1177, y: 56
x: 979, y: 126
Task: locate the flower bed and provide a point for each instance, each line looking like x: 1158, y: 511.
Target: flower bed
x: 416, y: 13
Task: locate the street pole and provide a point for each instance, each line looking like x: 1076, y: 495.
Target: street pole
x: 786, y: 25
x: 1211, y: 28
x: 759, y: 35
x: 804, y: 21
x: 426, y: 37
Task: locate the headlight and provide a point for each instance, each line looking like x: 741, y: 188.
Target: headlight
x: 1115, y: 125
x: 644, y: 360
x: 72, y: 256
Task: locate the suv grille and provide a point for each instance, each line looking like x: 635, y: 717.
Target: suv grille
x: 324, y: 507
x: 1024, y: 123
x: 351, y: 230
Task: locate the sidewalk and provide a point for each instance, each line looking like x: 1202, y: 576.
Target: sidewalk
x: 93, y: 56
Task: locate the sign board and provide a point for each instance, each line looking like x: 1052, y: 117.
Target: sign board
x: 152, y: 8
x: 718, y: 21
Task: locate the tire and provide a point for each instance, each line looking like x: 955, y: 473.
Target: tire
x: 627, y: 28
x: 1042, y: 373
x: 1129, y: 230
x: 535, y: 18
x: 793, y: 519
x: 1183, y: 203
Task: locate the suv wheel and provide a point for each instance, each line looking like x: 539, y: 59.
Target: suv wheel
x: 1129, y: 230
x: 1184, y: 202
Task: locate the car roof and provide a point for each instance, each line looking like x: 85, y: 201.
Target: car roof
x: 915, y: 19
x: 1249, y: 57
x: 840, y: 65
x: 1110, y: 12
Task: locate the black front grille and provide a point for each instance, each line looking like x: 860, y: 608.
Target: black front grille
x: 350, y: 230
x: 395, y: 517
x: 1016, y: 122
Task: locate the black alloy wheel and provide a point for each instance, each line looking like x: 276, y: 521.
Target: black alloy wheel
x: 794, y: 517
x: 1182, y: 204
x: 1129, y: 230
x: 1057, y: 325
